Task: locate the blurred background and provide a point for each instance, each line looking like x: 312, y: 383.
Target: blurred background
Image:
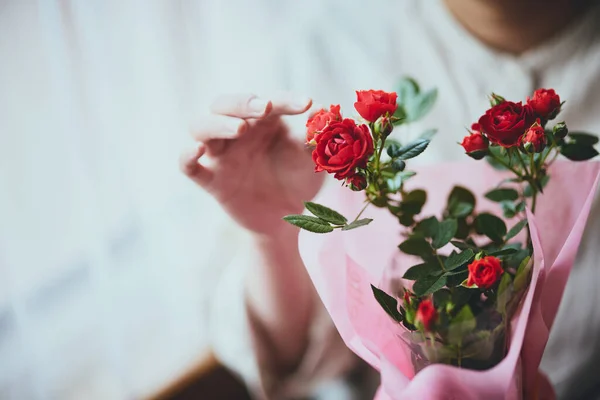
x: 107, y: 253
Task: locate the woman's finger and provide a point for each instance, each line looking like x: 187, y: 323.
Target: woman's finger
x: 218, y: 127
x: 189, y: 162
x: 251, y: 106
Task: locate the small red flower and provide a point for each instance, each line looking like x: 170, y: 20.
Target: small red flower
x: 534, y: 139
x: 357, y: 182
x: 505, y: 123
x: 476, y: 127
x: 342, y: 146
x: 475, y: 142
x: 426, y: 315
x: 545, y: 103
x: 372, y: 104
x: 484, y: 272
x: 319, y: 121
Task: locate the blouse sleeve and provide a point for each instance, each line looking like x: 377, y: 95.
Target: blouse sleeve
x: 236, y: 341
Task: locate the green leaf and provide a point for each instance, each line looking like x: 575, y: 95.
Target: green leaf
x: 461, y: 325
x: 461, y: 210
x: 357, y: 224
x: 509, y: 209
x: 461, y: 245
x: 455, y: 260
x: 412, y: 149
x: 429, y: 284
x: 311, y: 224
x: 490, y: 226
x: 441, y: 297
x: 515, y: 230
x: 578, y: 151
x: 461, y: 202
x: 326, y: 214
x: 388, y: 303
x: 416, y: 246
x: 407, y: 90
x: 394, y: 184
x: 413, y: 202
x: 406, y: 175
x: 522, y: 275
x: 583, y: 138
x: 463, y: 229
x: 503, y: 293
x: 502, y: 194
x: 420, y: 105
x: 514, y: 260
x: 428, y: 227
x: 420, y: 271
x: 428, y: 134
x: 503, y: 252
x: 406, y: 219
x: 393, y: 149
x: 446, y: 231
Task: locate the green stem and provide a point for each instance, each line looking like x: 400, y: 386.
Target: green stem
x: 459, y: 355
x: 501, y: 161
x: 440, y: 261
x: 361, y: 211
x: 526, y: 172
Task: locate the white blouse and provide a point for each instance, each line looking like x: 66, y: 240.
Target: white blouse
x: 344, y: 46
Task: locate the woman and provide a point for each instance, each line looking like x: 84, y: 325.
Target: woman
x: 270, y: 325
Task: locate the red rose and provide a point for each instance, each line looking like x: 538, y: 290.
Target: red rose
x: 426, y: 315
x: 545, y: 103
x: 534, y: 139
x: 505, y: 123
x: 342, y: 147
x: 320, y: 119
x: 475, y: 142
x: 372, y: 104
x: 475, y: 127
x: 357, y: 182
x: 484, y: 272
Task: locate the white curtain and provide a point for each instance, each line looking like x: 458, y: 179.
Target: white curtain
x: 107, y: 253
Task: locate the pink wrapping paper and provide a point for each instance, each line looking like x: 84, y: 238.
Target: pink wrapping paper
x: 343, y: 265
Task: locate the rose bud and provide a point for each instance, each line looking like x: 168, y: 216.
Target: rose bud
x: 545, y: 103
x: 426, y: 315
x: 398, y: 165
x: 319, y: 121
x: 383, y: 127
x: 560, y: 130
x: 534, y: 140
x: 342, y: 146
x: 357, y: 182
x: 484, y: 272
x: 496, y: 99
x: 475, y: 145
x: 372, y: 104
x: 406, y: 297
x: 505, y: 123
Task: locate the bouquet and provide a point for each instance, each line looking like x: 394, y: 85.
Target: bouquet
x: 456, y: 279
